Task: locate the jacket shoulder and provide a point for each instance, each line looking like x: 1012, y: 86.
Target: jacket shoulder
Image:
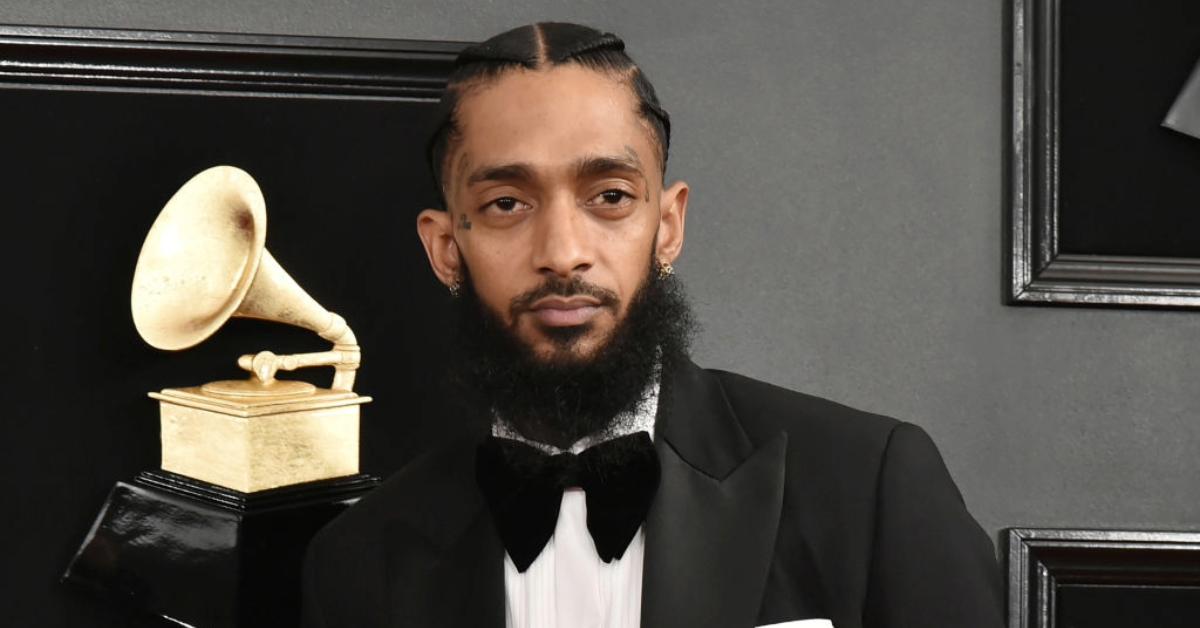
x: 870, y: 505
x: 424, y: 485
x: 348, y: 562
x: 764, y: 409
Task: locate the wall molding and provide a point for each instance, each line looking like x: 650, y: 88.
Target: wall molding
x: 210, y: 63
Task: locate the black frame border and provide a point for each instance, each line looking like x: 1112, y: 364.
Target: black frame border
x: 1038, y: 272
x: 1039, y: 559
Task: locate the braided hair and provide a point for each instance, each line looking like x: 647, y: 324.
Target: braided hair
x: 539, y: 46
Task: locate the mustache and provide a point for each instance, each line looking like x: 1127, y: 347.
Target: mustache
x: 556, y: 286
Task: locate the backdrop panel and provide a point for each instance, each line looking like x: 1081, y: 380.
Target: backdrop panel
x: 100, y: 128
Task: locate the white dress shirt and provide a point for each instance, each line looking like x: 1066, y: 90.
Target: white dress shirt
x: 567, y: 585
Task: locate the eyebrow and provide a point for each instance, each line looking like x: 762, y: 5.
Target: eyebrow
x: 504, y: 172
x: 594, y: 166
x: 583, y: 167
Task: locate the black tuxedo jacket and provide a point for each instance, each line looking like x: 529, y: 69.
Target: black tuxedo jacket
x: 773, y: 506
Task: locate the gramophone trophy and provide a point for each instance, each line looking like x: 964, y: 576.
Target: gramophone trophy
x: 204, y: 261
x: 251, y: 468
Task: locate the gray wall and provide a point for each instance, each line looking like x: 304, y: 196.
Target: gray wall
x: 845, y: 232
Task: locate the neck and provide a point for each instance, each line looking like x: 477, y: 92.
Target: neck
x: 638, y: 419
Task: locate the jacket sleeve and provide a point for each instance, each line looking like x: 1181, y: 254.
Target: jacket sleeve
x: 931, y: 564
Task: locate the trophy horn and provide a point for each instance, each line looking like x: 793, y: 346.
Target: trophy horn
x: 204, y: 260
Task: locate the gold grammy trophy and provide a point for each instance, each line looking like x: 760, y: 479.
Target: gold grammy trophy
x: 204, y: 261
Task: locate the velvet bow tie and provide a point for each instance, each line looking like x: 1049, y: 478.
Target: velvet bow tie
x: 523, y: 488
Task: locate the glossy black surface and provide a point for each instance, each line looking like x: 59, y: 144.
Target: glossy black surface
x: 167, y: 546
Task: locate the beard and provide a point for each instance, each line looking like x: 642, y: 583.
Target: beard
x: 560, y: 398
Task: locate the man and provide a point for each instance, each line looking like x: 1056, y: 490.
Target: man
x: 622, y: 485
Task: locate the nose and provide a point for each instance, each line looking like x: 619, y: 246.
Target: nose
x: 562, y: 246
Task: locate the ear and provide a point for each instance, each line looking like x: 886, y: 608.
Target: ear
x: 672, y: 213
x: 435, y: 227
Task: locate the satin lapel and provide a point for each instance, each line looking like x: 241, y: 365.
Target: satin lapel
x: 710, y: 533
x: 445, y: 560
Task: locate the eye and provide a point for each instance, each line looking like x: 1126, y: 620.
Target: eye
x: 506, y: 205
x: 611, y: 197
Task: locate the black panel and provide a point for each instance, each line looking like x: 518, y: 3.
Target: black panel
x: 1128, y: 185
x: 99, y: 129
x: 1091, y: 606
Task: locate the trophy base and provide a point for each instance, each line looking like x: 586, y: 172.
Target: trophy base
x: 254, y: 443
x: 197, y: 554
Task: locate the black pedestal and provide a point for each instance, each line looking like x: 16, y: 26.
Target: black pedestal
x: 202, y: 555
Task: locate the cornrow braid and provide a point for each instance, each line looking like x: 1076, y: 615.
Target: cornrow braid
x: 532, y: 47
x: 563, y: 44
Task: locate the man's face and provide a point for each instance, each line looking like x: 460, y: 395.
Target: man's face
x: 555, y: 206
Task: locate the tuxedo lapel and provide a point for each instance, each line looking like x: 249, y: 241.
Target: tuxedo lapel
x: 710, y: 533
x: 445, y: 560
x: 474, y: 569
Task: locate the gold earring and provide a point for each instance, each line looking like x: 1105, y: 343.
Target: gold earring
x: 665, y: 269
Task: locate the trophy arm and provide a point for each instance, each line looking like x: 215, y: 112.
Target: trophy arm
x: 345, y: 357
x: 345, y: 344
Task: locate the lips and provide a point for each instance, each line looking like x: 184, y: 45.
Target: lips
x: 565, y: 311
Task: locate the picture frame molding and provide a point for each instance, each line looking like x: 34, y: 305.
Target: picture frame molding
x: 1040, y: 559
x: 1038, y: 272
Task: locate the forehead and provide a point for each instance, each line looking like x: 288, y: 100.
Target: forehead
x: 548, y: 118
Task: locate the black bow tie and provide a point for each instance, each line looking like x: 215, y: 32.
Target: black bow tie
x: 523, y: 488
